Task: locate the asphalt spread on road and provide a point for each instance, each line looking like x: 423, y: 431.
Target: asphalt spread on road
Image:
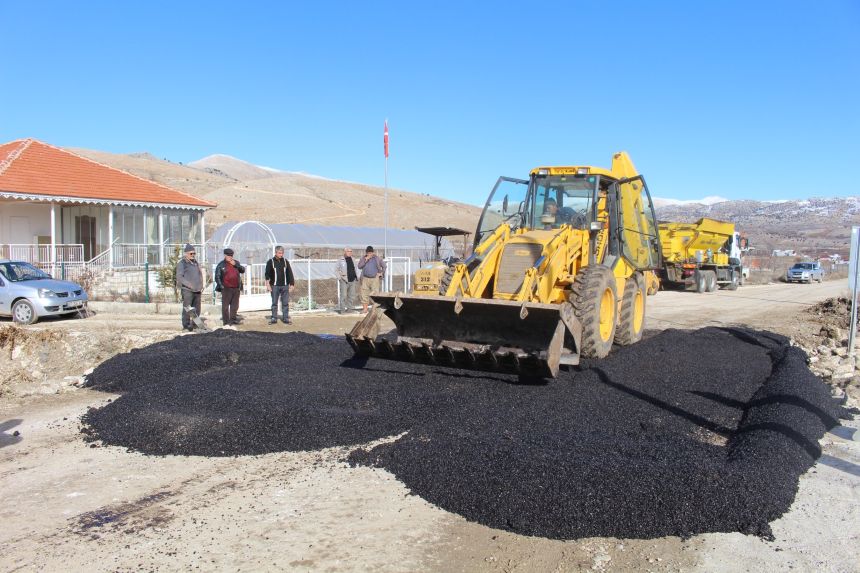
x: 683, y: 433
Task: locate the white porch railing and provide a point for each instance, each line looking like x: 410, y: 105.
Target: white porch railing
x: 40, y: 254
x: 136, y: 255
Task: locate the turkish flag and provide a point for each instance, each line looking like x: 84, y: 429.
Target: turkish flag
x: 385, y: 139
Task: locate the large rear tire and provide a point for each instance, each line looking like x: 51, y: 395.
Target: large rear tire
x: 632, y: 322
x: 446, y: 280
x: 700, y: 281
x: 593, y: 297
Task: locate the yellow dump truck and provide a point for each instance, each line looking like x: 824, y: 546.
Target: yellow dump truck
x: 701, y: 256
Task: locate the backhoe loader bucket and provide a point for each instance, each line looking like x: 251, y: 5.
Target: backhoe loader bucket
x: 530, y: 339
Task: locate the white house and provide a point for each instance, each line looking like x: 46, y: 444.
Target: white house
x: 58, y: 208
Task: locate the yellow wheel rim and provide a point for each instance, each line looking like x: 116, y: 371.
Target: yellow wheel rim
x: 607, y: 314
x: 638, y: 310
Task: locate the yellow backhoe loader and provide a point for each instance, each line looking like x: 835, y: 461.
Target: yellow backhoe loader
x: 556, y: 274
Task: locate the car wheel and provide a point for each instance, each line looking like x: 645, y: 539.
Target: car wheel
x: 23, y: 312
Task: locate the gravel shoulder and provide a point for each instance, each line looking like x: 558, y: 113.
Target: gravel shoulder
x: 68, y: 505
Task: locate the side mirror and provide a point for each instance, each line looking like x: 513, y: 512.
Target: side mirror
x: 505, y: 204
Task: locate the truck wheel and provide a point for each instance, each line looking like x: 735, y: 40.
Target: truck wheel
x: 700, y: 282
x: 711, y: 278
x: 23, y: 312
x: 593, y: 297
x: 735, y: 282
x: 632, y: 322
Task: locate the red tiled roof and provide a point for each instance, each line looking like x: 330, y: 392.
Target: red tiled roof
x: 30, y: 167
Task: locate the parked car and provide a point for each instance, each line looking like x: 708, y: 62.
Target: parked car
x: 804, y: 273
x: 27, y: 293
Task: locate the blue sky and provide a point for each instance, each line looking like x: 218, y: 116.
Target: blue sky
x: 745, y: 100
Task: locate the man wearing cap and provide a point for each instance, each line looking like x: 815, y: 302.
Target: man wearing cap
x: 189, y: 281
x: 372, y: 270
x: 228, y: 281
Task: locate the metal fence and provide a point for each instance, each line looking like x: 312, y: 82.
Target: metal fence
x: 316, y: 283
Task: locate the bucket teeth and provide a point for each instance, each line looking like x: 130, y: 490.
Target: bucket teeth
x: 481, y: 334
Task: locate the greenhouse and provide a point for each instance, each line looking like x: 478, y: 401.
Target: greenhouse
x: 253, y: 241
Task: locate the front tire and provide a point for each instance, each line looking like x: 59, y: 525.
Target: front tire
x: 632, y: 322
x: 735, y: 282
x: 593, y: 297
x: 23, y: 312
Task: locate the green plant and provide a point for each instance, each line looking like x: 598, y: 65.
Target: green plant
x: 305, y: 304
x: 166, y: 274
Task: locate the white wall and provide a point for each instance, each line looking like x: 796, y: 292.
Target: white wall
x: 16, y: 216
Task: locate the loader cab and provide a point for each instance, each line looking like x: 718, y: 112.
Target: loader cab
x: 563, y: 200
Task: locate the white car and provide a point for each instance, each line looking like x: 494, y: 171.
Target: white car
x: 27, y: 293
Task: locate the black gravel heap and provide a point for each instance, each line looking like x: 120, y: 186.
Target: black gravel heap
x: 683, y: 433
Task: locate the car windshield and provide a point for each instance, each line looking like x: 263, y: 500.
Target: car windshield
x: 563, y: 199
x: 20, y: 271
x: 804, y: 266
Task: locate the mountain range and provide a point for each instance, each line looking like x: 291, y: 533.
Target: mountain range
x: 244, y: 191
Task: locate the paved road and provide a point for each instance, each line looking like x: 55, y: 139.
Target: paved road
x: 761, y: 306
x: 69, y: 506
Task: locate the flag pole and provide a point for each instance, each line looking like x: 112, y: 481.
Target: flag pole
x: 385, y: 241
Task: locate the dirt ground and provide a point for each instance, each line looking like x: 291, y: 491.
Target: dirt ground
x: 69, y: 505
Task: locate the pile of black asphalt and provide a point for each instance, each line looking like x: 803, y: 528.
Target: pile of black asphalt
x: 683, y: 433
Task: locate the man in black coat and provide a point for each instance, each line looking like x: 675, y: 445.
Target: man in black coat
x: 280, y: 282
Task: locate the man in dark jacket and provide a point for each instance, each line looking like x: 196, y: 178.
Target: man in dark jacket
x: 189, y: 280
x: 228, y: 281
x: 280, y: 282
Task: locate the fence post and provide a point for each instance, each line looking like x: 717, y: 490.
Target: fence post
x: 310, y: 291
x: 146, y: 279
x: 63, y: 271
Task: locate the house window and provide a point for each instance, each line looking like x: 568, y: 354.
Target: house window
x: 182, y: 227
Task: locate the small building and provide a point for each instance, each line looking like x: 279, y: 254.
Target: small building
x: 58, y: 208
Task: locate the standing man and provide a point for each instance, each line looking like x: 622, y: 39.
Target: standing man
x: 280, y: 282
x: 372, y: 270
x: 189, y: 280
x: 228, y: 281
x: 347, y: 281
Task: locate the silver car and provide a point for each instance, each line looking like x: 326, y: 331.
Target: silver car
x: 804, y: 273
x: 27, y: 293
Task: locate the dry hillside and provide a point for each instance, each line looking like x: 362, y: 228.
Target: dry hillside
x: 247, y: 192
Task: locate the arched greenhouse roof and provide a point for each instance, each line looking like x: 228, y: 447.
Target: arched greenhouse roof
x: 300, y: 235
